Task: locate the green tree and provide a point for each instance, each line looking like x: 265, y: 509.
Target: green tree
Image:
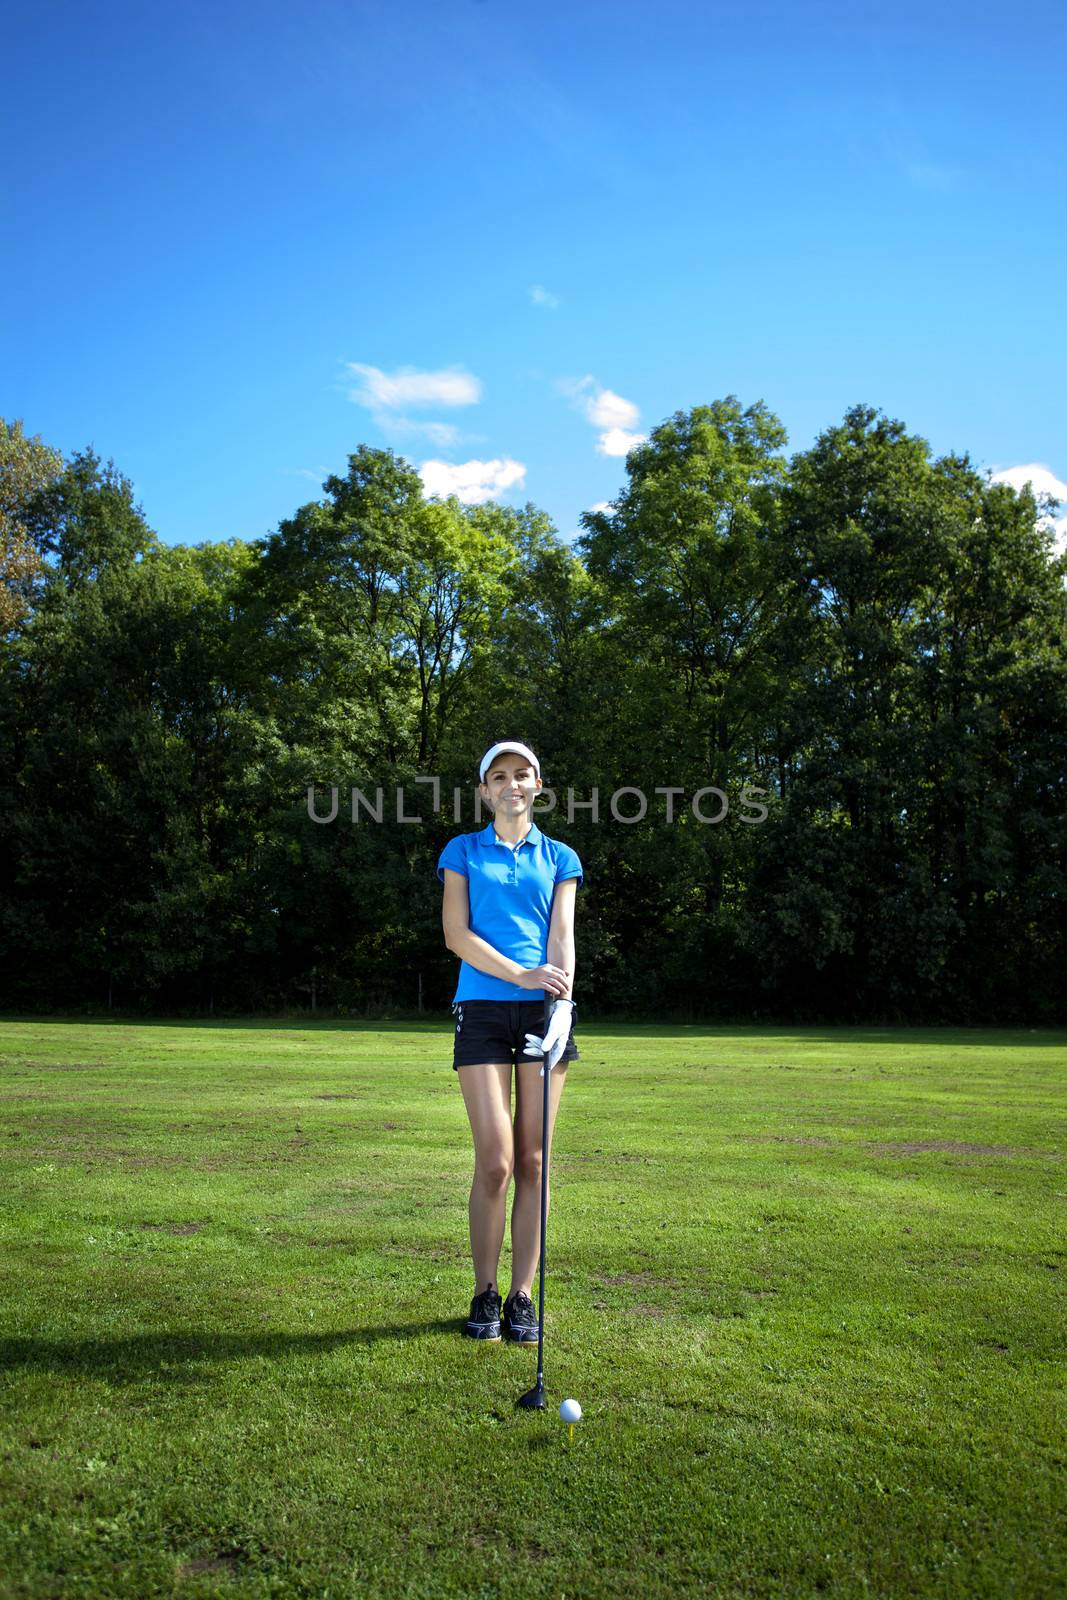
x: 695, y: 595
x: 689, y: 558
x: 27, y: 466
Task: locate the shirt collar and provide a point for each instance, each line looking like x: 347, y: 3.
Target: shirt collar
x: 489, y: 838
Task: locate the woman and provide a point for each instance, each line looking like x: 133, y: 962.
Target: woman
x: 508, y: 914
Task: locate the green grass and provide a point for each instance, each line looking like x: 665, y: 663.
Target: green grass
x: 807, y: 1285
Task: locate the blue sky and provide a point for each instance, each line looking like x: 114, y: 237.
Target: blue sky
x: 240, y: 240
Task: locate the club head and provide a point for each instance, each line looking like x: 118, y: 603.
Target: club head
x: 533, y: 1399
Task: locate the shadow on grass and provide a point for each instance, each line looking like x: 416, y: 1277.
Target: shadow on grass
x: 437, y: 1020
x: 175, y: 1358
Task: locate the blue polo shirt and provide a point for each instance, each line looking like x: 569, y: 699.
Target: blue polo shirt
x: 510, y: 893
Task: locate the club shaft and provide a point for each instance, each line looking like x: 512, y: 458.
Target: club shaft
x: 544, y: 1205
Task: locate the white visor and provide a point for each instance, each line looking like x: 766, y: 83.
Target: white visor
x: 498, y: 750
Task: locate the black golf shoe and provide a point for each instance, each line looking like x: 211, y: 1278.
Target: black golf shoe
x: 484, y: 1320
x: 520, y: 1319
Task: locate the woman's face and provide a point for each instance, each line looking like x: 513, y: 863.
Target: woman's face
x: 511, y: 785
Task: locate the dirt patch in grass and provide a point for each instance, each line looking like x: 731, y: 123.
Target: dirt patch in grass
x: 178, y: 1227
x: 308, y: 1241
x: 422, y: 1252
x: 89, y: 1155
x: 616, y: 1155
x: 638, y: 1280
x: 901, y: 1147
x: 792, y: 1138
x: 229, y: 1565
x: 956, y: 1147
x: 68, y: 1066
x: 641, y: 1309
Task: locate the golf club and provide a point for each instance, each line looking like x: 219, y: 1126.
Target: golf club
x: 534, y: 1398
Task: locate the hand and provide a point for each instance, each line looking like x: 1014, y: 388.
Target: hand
x: 555, y: 1040
x: 552, y: 979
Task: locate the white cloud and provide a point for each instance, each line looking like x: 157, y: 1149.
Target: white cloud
x: 603, y: 505
x: 617, y: 442
x: 472, y: 482
x: 607, y: 411
x: 438, y: 433
x: 542, y: 297
x: 407, y: 386
x: 1042, y: 480
x: 383, y: 394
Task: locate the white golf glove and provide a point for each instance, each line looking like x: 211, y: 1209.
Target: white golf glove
x: 554, y: 1041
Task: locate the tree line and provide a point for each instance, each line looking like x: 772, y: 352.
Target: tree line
x: 868, y: 641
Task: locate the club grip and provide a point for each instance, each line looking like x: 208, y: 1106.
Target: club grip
x: 547, y: 1014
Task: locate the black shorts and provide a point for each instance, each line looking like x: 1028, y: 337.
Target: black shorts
x: 495, y: 1030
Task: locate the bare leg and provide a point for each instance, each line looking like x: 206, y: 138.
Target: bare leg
x: 487, y: 1096
x: 526, y: 1207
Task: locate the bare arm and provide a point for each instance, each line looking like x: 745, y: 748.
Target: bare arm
x: 561, y: 932
x: 455, y: 919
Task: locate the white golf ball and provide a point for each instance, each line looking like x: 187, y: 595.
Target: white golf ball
x: 570, y: 1411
